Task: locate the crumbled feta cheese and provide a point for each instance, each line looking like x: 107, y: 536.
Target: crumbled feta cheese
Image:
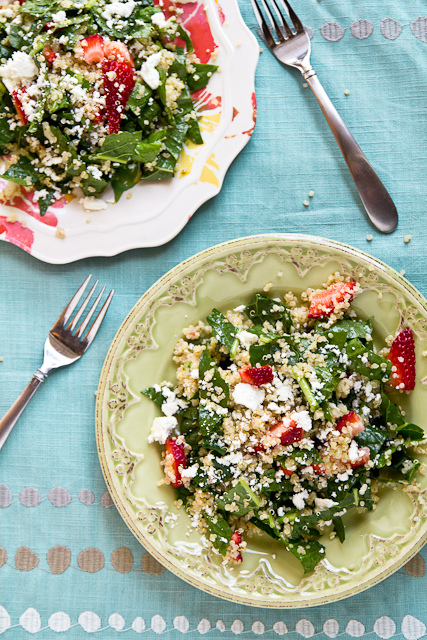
x: 148, y: 71
x: 118, y: 9
x: 162, y: 428
x: 159, y: 20
x: 19, y: 70
x: 248, y: 395
x: 246, y: 339
x: 299, y: 498
x: 189, y: 472
x: 170, y: 406
x: 90, y: 203
x: 59, y: 17
x: 353, y: 451
x: 283, y: 390
x: 324, y: 503
x: 303, y: 419
x: 240, y: 309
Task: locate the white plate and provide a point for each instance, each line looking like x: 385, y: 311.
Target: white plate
x: 157, y: 212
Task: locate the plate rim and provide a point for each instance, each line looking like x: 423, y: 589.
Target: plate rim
x: 300, y: 601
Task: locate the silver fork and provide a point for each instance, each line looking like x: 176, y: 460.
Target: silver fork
x: 64, y: 345
x: 293, y: 48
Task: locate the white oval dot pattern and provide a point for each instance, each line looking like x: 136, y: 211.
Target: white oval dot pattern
x: 361, y: 29
x: 58, y: 496
x: 60, y: 622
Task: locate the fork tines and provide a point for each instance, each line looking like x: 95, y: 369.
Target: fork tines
x: 71, y: 306
x: 277, y: 20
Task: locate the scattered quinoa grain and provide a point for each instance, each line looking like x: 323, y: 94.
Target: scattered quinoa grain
x: 369, y: 237
x: 306, y: 203
x: 347, y: 92
x: 59, y: 232
x: 407, y: 238
x: 310, y: 194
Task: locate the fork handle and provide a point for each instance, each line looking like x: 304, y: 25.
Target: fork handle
x: 375, y: 197
x: 11, y: 417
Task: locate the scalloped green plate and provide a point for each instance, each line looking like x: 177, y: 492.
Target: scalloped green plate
x: 225, y: 276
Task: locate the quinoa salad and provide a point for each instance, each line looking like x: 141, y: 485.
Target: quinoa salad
x: 92, y: 94
x: 284, y: 417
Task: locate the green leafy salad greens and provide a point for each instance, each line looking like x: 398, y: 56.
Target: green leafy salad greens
x: 281, y: 423
x: 94, y: 94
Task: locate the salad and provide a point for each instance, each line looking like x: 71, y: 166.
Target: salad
x: 92, y: 94
x: 282, y: 420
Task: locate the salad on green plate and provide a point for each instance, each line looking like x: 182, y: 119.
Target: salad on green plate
x: 92, y: 94
x: 282, y: 420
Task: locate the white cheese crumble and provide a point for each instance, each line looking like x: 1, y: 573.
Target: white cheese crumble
x: 159, y: 20
x: 118, y: 9
x: 90, y: 203
x: 19, y: 70
x: 303, y: 419
x: 148, y: 71
x: 170, y: 406
x: 59, y: 17
x: 248, y: 396
x: 283, y: 390
x: 240, y: 308
x: 162, y: 428
x: 189, y: 472
x: 353, y: 451
x: 246, y: 339
x: 324, y: 503
x: 299, y: 498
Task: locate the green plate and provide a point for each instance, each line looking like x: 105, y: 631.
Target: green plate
x: 225, y: 276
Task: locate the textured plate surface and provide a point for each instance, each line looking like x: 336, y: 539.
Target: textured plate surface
x: 225, y: 276
x: 157, y: 212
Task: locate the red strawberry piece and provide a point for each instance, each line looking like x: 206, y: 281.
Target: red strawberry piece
x: 402, y: 357
x: 119, y: 82
x: 287, y: 472
x: 353, y: 423
x: 325, y: 302
x: 49, y: 55
x: 236, y: 538
x: 93, y: 49
x: 287, y: 433
x: 364, y: 457
x: 256, y: 375
x: 118, y: 51
x: 175, y: 454
x: 319, y: 468
x: 17, y: 101
x: 49, y: 26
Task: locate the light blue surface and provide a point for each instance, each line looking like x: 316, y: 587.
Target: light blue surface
x: 291, y: 152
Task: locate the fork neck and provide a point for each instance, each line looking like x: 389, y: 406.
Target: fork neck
x: 308, y: 72
x: 41, y: 375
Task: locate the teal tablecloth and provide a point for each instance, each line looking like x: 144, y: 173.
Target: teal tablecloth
x: 52, y: 491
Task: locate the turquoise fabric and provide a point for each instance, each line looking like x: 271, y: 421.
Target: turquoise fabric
x: 291, y: 152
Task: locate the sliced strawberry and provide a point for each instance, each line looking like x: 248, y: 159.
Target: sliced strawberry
x: 118, y: 51
x: 236, y: 538
x: 319, y: 468
x: 119, y: 82
x: 175, y: 456
x: 325, y: 302
x: 93, y: 49
x: 49, y: 25
x: 287, y: 472
x: 353, y: 423
x: 17, y: 101
x: 364, y: 457
x: 49, y: 55
x: 402, y: 357
x: 256, y: 375
x: 287, y: 433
